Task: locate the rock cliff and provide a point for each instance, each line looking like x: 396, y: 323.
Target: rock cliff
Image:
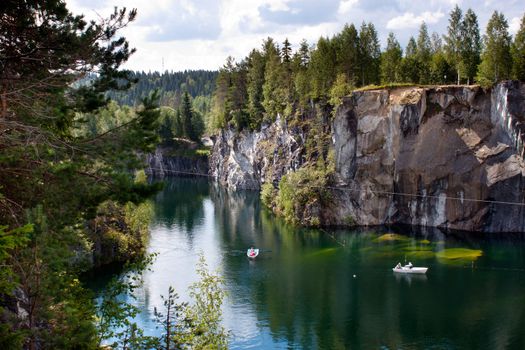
x: 448, y: 157
x: 161, y: 164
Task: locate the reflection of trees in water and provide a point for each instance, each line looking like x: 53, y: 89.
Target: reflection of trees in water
x: 237, y: 216
x: 308, y: 295
x: 181, y: 202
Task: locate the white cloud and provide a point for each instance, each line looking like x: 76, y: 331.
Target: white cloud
x: 410, y: 20
x: 514, y: 25
x: 345, y: 6
x: 200, y: 34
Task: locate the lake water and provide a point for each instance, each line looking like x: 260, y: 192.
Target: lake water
x: 312, y: 289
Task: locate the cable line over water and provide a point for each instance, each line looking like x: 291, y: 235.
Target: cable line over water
x: 367, y: 190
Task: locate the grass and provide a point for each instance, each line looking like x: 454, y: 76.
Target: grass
x: 386, y: 86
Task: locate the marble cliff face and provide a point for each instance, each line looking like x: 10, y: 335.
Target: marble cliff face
x: 443, y: 157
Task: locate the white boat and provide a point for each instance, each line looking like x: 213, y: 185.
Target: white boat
x: 410, y: 269
x: 252, y: 253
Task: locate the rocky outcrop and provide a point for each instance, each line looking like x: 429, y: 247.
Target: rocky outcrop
x: 448, y: 157
x: 164, y: 163
x: 444, y: 157
x: 248, y: 159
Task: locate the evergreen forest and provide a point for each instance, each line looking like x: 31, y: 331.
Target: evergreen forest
x: 277, y: 80
x: 73, y: 192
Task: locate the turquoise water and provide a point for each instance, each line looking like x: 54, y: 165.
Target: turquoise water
x: 311, y: 289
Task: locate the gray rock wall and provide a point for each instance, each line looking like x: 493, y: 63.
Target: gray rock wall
x: 161, y: 164
x: 248, y: 159
x: 443, y: 157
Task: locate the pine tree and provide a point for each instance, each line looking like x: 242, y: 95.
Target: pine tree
x: 496, y: 60
x: 436, y: 44
x: 391, y: 60
x: 518, y: 53
x: 255, y: 81
x: 370, y: 53
x: 178, y: 130
x: 166, y: 130
x: 301, y: 79
x: 423, y: 54
x: 346, y: 46
x: 62, y: 171
x: 238, y: 96
x: 272, y: 88
x: 322, y: 69
x: 186, y: 115
x: 286, y: 51
x: 220, y: 103
x: 410, y: 63
x: 287, y: 80
x: 453, y: 40
x: 470, y: 45
x: 303, y: 53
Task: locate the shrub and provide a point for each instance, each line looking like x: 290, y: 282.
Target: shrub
x: 302, y: 196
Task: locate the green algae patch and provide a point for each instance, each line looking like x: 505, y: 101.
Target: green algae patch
x: 322, y: 252
x: 391, y: 237
x: 459, y: 254
x: 416, y: 248
x: 424, y: 241
x: 423, y: 254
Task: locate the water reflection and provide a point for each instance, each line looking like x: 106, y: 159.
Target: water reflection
x: 335, y: 290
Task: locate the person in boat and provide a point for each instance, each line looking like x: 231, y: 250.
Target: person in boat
x: 410, y: 265
x: 398, y: 266
x: 252, y: 251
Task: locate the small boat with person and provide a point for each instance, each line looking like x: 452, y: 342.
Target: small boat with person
x: 409, y: 268
x: 252, y: 253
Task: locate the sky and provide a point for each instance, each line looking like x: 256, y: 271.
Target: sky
x: 179, y: 35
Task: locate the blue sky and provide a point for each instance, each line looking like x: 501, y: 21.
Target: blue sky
x: 200, y: 34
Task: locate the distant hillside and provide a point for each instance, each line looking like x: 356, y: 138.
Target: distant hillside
x: 170, y: 85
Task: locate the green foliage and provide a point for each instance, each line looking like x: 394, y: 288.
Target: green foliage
x: 169, y: 125
x: 255, y: 81
x: 299, y: 193
x: 322, y: 68
x: 369, y: 54
x: 453, y: 40
x: 118, y: 232
x: 441, y: 72
x: 268, y: 194
x: 496, y: 60
x: 423, y: 54
x: 65, y: 149
x: 410, y: 63
x: 471, y: 45
x: 384, y: 86
x: 206, y: 313
x: 348, y: 53
x: 114, y: 316
x: 176, y: 327
x: 196, y: 325
x: 188, y: 149
x: 518, y: 53
x: 391, y: 61
x: 10, y: 241
x: 274, y: 94
x: 340, y: 89
x: 171, y: 85
x: 273, y: 81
